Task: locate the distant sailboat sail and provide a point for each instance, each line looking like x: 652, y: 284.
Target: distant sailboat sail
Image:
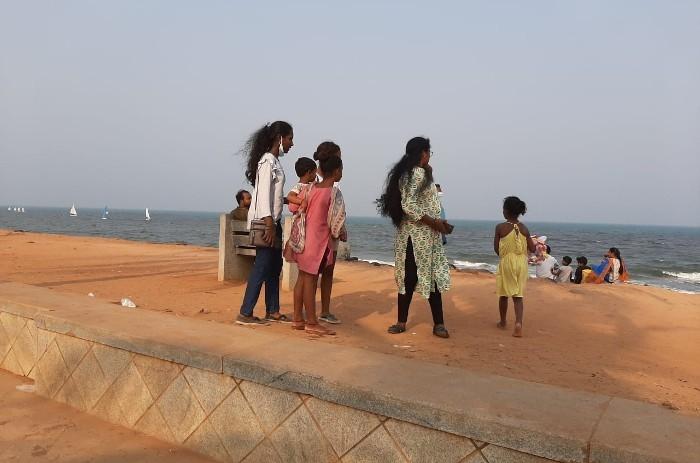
x: 148, y: 216
x: 22, y: 211
x: 73, y: 212
x: 9, y: 208
x: 105, y: 213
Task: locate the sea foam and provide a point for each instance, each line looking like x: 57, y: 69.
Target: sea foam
x: 693, y: 277
x: 467, y: 265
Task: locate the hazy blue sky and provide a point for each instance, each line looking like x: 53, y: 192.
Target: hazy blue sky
x: 587, y: 110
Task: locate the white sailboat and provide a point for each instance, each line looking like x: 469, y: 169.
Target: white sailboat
x: 22, y: 211
x: 105, y: 213
x: 73, y: 212
x: 148, y: 216
x: 9, y: 208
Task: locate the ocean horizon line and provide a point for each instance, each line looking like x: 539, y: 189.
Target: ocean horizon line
x: 374, y: 217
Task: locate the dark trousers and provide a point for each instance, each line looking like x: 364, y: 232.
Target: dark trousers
x: 266, y: 269
x: 410, y: 281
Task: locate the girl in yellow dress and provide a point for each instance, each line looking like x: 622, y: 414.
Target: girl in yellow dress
x: 511, y: 243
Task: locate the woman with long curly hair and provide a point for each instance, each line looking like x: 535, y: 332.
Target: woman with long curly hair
x: 264, y: 171
x: 410, y: 199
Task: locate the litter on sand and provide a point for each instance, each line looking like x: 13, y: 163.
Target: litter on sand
x: 126, y: 302
x: 26, y: 388
x: 402, y: 347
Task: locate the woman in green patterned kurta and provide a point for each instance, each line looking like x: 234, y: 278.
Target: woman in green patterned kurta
x: 411, y: 200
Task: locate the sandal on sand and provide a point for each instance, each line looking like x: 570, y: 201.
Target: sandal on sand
x: 518, y: 332
x: 441, y: 332
x: 318, y: 330
x: 396, y: 329
x: 278, y: 317
x: 298, y: 325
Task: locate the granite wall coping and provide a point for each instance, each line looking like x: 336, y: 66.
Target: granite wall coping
x: 548, y: 421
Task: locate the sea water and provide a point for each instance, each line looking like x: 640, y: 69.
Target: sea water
x: 667, y: 257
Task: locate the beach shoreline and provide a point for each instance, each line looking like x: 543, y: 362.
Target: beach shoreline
x: 629, y: 341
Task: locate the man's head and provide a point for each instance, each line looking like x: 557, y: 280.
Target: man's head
x: 243, y: 198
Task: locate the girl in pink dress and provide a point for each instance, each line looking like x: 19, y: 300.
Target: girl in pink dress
x: 325, y: 220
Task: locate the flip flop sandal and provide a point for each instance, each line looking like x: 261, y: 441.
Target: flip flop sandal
x: 282, y: 318
x: 319, y: 330
x: 300, y: 325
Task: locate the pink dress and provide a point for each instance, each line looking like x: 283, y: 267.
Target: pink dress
x: 317, y: 246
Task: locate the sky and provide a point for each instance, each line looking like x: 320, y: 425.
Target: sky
x: 587, y: 110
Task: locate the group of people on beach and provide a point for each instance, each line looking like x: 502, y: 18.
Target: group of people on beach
x: 410, y: 199
x: 611, y: 269
x: 320, y: 215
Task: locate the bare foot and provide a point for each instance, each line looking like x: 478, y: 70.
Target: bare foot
x: 518, y: 332
x: 501, y: 325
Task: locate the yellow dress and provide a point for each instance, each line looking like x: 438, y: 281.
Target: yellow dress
x: 512, y: 269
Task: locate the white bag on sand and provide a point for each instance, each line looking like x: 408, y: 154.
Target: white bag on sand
x: 126, y: 302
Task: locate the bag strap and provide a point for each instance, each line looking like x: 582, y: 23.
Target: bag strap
x: 308, y: 196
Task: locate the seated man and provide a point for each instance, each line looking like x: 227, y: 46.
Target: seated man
x: 243, y: 198
x: 562, y: 273
x: 581, y: 270
x: 543, y: 268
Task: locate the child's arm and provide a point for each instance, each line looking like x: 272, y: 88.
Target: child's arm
x: 530, y: 242
x: 294, y: 198
x: 497, y: 239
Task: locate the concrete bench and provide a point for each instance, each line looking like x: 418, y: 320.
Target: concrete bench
x: 236, y: 255
x: 235, y: 252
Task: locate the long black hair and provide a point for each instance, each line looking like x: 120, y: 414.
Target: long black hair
x: 389, y: 205
x: 260, y: 142
x: 616, y: 252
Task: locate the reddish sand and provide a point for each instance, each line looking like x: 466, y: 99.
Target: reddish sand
x: 637, y: 342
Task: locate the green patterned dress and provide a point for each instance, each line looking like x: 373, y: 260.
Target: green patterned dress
x: 433, y: 268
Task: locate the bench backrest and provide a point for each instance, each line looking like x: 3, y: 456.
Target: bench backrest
x: 241, y: 234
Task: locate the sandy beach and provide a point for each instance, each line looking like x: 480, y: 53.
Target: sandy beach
x: 628, y: 341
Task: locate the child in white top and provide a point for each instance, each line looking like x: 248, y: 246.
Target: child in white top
x: 306, y: 170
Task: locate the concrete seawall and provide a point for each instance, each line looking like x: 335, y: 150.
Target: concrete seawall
x: 240, y: 394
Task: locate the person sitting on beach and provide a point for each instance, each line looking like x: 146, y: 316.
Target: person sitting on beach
x: 410, y: 199
x: 264, y: 171
x: 325, y: 149
x: 611, y: 269
x: 243, y: 198
x: 562, y: 273
x: 511, y: 242
x: 581, y: 270
x: 325, y: 219
x: 306, y: 171
x: 544, y: 267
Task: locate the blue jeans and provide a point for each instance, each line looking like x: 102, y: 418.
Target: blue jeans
x: 266, y: 269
